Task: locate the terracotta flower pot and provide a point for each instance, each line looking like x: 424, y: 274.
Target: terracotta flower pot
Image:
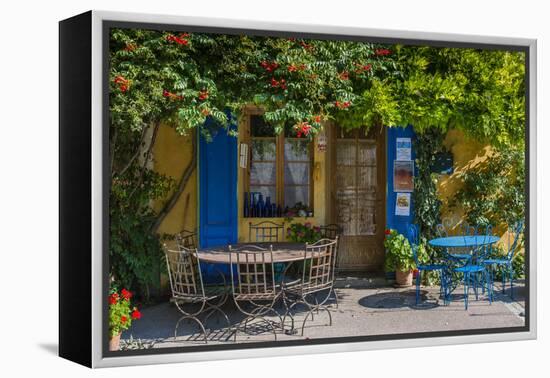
x: 403, y: 279
x: 114, y: 342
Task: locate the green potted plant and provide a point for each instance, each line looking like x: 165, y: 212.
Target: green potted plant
x: 121, y: 314
x: 303, y: 233
x: 399, y: 258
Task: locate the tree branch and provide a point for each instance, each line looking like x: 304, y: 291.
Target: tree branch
x: 179, y: 190
x: 136, y: 154
x: 146, y: 159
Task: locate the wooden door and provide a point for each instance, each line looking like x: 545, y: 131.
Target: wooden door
x: 358, y: 196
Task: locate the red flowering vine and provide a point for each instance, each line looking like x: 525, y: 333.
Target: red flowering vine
x: 130, y: 47
x: 302, y: 129
x: 344, y: 75
x: 382, y: 52
x: 123, y: 83
x: 342, y: 105
x: 203, y: 95
x: 362, y: 67
x: 171, y: 95
x: 180, y: 40
x: 269, y: 66
x: 278, y: 83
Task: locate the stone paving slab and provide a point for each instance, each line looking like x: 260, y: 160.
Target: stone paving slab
x: 361, y: 311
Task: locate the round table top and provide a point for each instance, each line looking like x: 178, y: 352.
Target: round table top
x: 463, y: 241
x: 282, y: 252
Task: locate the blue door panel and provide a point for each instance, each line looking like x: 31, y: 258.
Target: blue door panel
x: 217, y: 195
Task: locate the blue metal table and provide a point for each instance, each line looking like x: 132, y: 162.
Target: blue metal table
x: 463, y: 241
x: 473, y: 243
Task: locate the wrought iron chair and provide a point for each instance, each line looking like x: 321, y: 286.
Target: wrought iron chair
x: 187, y: 239
x: 253, y: 283
x: 444, y: 229
x: 265, y: 232
x: 333, y: 231
x: 513, y: 246
x: 188, y: 289
x: 414, y: 237
x: 474, y: 271
x: 317, y: 277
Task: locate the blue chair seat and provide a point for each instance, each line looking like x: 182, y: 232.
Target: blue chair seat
x: 431, y: 267
x: 470, y: 269
x: 461, y: 256
x: 496, y: 261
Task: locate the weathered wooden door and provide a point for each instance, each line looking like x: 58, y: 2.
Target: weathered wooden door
x: 358, y: 196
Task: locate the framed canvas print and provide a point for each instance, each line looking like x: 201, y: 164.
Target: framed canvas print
x: 232, y: 189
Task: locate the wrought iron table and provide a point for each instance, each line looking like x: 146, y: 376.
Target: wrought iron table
x: 464, y: 241
x: 471, y: 243
x: 283, y: 252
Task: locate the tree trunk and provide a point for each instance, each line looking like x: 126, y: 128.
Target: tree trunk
x: 179, y: 189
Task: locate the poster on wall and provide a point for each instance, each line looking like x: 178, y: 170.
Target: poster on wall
x: 403, y: 204
x: 403, y: 176
x: 403, y: 149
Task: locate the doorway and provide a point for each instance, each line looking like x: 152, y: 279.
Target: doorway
x: 358, y: 196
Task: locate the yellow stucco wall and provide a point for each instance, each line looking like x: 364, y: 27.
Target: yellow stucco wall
x: 467, y: 153
x: 172, y: 154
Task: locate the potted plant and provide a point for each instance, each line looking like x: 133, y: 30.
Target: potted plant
x: 399, y: 258
x: 303, y: 233
x: 121, y: 314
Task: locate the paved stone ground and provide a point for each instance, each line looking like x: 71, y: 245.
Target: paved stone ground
x: 362, y: 310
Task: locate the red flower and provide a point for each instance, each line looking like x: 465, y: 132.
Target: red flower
x: 123, y: 84
x: 342, y: 105
x: 305, y: 45
x: 136, y: 314
x: 203, y: 95
x: 171, y: 95
x: 113, y: 298
x: 130, y: 47
x: 123, y: 88
x: 274, y: 83
x: 382, y: 52
x: 292, y: 68
x: 178, y: 40
x: 387, y: 232
x: 125, y: 294
x: 317, y: 119
x: 367, y: 67
x: 123, y: 319
x: 344, y: 75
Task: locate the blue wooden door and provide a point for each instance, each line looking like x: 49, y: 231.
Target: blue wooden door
x: 217, y: 188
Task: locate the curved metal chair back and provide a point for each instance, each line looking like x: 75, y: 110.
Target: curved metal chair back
x: 184, y: 272
x: 265, y: 232
x: 444, y: 228
x: 319, y: 258
x: 254, y: 269
x: 187, y: 239
x: 330, y: 231
x: 487, y: 248
x: 514, y: 235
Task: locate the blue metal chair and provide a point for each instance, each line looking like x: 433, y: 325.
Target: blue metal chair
x: 414, y: 238
x: 514, y: 235
x: 474, y: 268
x: 444, y: 230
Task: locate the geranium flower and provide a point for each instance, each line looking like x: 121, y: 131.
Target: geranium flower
x: 136, y: 314
x: 126, y: 294
x: 113, y: 298
x: 123, y: 319
x: 203, y: 95
x: 387, y: 232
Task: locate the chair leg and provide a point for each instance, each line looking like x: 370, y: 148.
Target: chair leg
x: 466, y: 289
x: 418, y: 277
x: 512, y: 282
x: 503, y: 281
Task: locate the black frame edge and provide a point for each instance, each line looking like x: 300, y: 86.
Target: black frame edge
x: 75, y: 189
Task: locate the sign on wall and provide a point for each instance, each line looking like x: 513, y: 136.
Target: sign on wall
x: 403, y: 176
x: 403, y: 204
x: 403, y: 148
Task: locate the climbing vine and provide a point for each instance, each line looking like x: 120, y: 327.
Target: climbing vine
x: 181, y: 79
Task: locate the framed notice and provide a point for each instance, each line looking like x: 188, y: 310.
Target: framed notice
x: 403, y: 148
x: 403, y: 204
x: 403, y: 176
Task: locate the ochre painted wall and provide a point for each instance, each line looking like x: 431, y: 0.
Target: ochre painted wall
x: 172, y: 153
x: 467, y: 153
